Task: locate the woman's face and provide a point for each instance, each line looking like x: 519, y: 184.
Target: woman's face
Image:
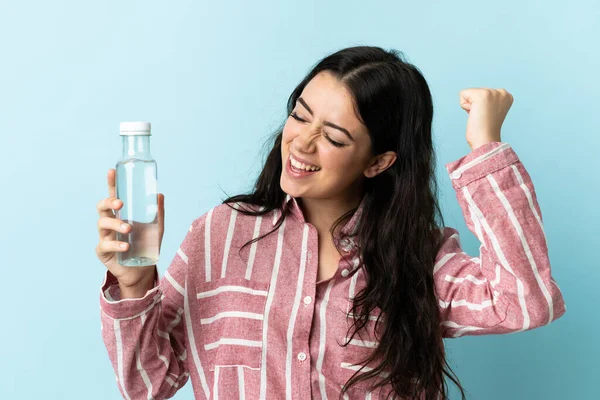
x: 324, y: 133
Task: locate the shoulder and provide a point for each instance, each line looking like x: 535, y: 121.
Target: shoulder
x: 222, y: 214
x: 449, y: 241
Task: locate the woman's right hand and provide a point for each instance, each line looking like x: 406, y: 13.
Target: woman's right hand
x: 133, y: 281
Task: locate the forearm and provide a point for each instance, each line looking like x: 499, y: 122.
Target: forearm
x: 500, y: 207
x: 144, y: 338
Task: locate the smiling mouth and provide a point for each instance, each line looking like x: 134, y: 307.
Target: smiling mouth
x: 301, y: 171
x: 298, y: 172
x: 299, y: 166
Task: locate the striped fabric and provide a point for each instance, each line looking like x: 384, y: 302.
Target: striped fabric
x: 255, y: 324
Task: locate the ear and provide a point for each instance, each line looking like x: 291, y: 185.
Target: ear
x: 380, y: 163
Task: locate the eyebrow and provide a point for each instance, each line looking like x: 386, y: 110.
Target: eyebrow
x: 326, y: 123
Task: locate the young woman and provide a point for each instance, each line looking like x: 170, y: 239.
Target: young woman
x: 336, y: 277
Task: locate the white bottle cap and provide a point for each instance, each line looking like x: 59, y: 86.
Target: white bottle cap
x: 135, y: 128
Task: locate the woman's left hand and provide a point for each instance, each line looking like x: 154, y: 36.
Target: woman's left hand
x: 487, y: 109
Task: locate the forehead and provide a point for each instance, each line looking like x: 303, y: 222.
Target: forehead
x: 330, y: 100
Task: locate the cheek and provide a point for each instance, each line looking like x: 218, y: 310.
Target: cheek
x: 344, y: 166
x: 336, y: 160
x: 289, y: 132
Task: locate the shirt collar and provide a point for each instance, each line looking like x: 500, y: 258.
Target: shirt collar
x: 344, y: 237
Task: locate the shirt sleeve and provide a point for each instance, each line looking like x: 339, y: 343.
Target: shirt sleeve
x: 509, y: 286
x: 145, y: 337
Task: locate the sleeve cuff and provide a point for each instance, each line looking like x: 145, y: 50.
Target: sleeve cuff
x: 115, y: 307
x: 480, y: 162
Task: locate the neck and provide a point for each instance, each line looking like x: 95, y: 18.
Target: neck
x: 322, y: 213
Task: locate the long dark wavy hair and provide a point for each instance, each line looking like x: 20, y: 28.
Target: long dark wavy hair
x: 397, y: 232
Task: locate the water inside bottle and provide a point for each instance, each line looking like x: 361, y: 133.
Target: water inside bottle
x: 136, y: 184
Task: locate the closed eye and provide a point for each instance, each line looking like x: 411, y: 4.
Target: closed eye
x: 297, y: 118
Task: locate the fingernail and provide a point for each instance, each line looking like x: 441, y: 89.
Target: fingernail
x: 124, y: 226
x: 123, y: 245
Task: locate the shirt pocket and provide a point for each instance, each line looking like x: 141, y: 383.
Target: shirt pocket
x: 231, y: 314
x: 344, y: 362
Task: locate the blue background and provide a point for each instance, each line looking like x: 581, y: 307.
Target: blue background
x: 213, y: 78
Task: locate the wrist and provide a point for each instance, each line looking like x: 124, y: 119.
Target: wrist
x: 139, y: 289
x: 475, y: 146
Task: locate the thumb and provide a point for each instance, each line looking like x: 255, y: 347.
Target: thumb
x: 466, y: 99
x: 161, y: 218
x: 161, y: 209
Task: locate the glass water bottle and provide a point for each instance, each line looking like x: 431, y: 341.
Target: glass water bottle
x: 136, y: 184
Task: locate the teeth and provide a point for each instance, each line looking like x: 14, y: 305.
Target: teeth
x: 303, y: 166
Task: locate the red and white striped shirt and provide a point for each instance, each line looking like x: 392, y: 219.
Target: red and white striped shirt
x: 256, y: 324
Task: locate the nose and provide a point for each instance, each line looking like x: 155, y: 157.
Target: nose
x: 305, y: 140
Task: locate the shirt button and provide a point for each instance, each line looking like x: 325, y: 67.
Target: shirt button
x: 346, y: 244
x: 345, y: 273
x: 307, y: 300
x: 301, y: 356
x: 455, y: 175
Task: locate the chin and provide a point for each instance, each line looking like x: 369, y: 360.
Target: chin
x: 290, y: 188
